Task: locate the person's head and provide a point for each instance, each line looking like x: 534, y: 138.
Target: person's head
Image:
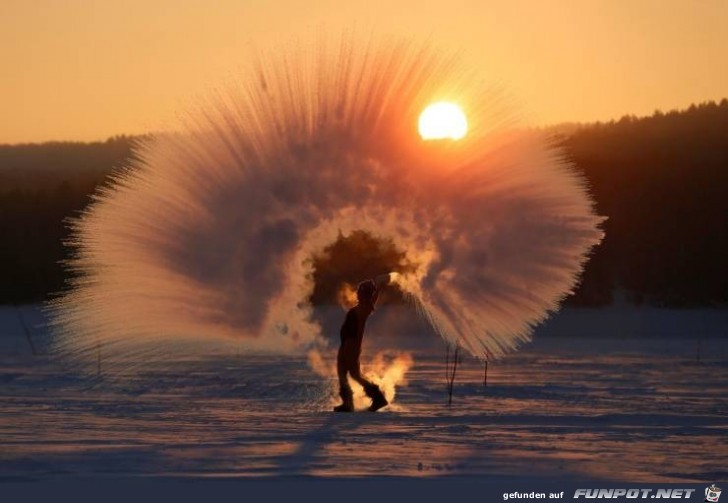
x: 366, y: 292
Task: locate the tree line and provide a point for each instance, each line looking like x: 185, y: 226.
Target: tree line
x: 661, y: 180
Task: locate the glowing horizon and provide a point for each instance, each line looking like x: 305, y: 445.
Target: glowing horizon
x: 80, y: 72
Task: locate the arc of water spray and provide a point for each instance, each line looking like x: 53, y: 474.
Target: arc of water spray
x: 207, y: 235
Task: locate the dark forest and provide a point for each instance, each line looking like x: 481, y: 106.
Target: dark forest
x: 661, y: 180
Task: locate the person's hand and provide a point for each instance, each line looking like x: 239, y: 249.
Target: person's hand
x: 383, y: 279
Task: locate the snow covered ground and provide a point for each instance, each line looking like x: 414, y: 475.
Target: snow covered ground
x: 626, y: 400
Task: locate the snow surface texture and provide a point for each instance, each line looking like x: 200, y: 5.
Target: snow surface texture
x: 207, y: 236
x: 618, y: 409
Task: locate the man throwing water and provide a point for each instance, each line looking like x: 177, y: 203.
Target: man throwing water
x: 352, y: 333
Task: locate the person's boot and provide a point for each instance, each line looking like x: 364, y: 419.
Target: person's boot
x: 347, y: 400
x: 378, y: 400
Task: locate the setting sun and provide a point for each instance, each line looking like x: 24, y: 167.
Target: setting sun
x: 442, y: 120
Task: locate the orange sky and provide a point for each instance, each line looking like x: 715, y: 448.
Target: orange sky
x: 85, y: 70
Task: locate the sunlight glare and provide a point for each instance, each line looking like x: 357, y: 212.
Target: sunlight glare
x: 442, y: 120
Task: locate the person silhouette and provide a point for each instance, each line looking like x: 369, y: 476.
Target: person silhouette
x: 352, y: 334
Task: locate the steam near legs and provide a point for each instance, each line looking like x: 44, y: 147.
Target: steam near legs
x: 208, y: 237
x: 385, y: 369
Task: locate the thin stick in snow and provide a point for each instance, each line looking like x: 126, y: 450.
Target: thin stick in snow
x: 451, y: 377
x: 26, y: 330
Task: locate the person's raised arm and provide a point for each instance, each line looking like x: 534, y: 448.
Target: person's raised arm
x: 380, y: 281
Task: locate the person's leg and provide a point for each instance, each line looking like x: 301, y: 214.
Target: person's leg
x: 355, y: 373
x: 371, y: 389
x: 347, y: 396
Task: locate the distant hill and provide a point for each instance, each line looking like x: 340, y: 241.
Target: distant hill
x: 37, y: 167
x: 662, y: 181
